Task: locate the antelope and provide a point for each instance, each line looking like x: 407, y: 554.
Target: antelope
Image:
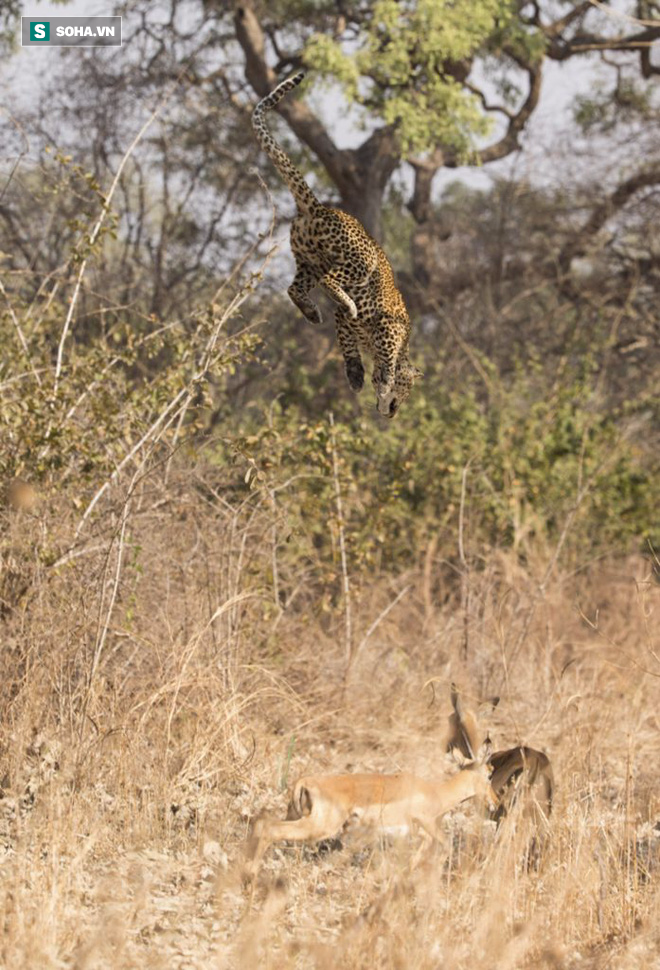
x: 321, y: 806
x: 510, y: 768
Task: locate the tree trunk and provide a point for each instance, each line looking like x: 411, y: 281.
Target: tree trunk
x: 360, y: 174
x: 372, y: 166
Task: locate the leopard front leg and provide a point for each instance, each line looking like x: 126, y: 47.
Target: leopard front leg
x: 387, y: 342
x: 382, y: 376
x: 304, y: 281
x: 348, y: 343
x: 332, y: 283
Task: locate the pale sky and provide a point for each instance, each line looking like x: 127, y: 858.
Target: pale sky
x: 549, y: 126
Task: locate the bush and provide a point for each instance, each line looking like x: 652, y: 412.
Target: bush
x: 536, y: 462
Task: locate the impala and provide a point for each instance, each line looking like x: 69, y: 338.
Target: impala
x: 512, y: 768
x: 322, y: 806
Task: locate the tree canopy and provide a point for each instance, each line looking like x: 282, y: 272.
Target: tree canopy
x: 430, y: 81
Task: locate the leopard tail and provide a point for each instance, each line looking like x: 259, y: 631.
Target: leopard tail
x: 303, y: 195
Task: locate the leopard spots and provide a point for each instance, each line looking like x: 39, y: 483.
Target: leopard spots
x: 334, y: 251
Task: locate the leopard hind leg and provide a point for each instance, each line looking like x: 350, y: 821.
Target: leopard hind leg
x: 349, y: 346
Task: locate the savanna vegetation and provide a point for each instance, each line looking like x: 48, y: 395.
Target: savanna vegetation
x: 220, y: 569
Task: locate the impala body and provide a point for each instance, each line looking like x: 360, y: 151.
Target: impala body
x: 323, y: 806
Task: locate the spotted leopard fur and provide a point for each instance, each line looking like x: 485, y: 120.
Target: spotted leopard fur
x: 334, y: 251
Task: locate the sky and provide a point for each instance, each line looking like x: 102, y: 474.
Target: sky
x: 548, y: 130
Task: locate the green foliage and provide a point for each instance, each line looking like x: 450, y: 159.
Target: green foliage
x: 523, y: 42
x: 536, y: 461
x: 10, y: 22
x: 410, y: 62
x: 604, y: 109
x: 123, y: 379
x: 81, y: 432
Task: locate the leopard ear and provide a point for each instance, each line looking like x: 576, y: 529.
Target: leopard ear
x: 417, y: 373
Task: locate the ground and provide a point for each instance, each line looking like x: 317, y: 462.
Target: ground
x: 122, y: 832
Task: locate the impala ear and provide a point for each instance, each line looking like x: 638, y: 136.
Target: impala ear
x: 456, y: 702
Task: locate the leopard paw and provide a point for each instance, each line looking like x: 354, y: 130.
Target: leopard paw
x: 314, y: 315
x: 355, y: 373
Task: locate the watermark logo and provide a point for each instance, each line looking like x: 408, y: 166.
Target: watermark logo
x: 71, y: 32
x: 40, y: 31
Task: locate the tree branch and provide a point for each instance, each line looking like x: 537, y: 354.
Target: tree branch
x: 510, y: 141
x: 426, y: 168
x: 487, y: 106
x: 560, y: 49
x: 557, y: 27
x: 340, y: 165
x: 648, y: 69
x: 420, y: 202
x: 579, y: 244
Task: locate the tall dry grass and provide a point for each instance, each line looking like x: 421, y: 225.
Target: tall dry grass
x: 156, y: 692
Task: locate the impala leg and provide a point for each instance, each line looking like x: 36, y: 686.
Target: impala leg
x: 322, y: 824
x: 430, y: 827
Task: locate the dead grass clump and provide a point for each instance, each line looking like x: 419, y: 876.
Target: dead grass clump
x: 157, y: 689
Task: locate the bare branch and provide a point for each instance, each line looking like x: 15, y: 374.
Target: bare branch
x: 510, y: 141
x: 426, y: 168
x: 620, y: 15
x: 21, y: 335
x: 93, y: 236
x: 561, y: 49
x: 579, y: 244
x: 486, y: 104
x: 557, y: 27
x: 648, y: 69
x: 19, y: 158
x: 346, y: 582
x: 302, y: 121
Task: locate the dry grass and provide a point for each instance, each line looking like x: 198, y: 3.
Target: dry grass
x: 155, y: 693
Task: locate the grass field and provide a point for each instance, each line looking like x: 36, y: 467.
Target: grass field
x: 155, y: 694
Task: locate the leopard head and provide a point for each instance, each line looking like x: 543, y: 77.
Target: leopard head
x: 391, y: 398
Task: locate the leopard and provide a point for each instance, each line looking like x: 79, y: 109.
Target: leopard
x: 333, y: 250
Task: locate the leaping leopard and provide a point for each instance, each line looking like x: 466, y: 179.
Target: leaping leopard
x: 333, y: 250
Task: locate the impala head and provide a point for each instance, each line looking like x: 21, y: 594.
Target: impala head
x: 477, y: 772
